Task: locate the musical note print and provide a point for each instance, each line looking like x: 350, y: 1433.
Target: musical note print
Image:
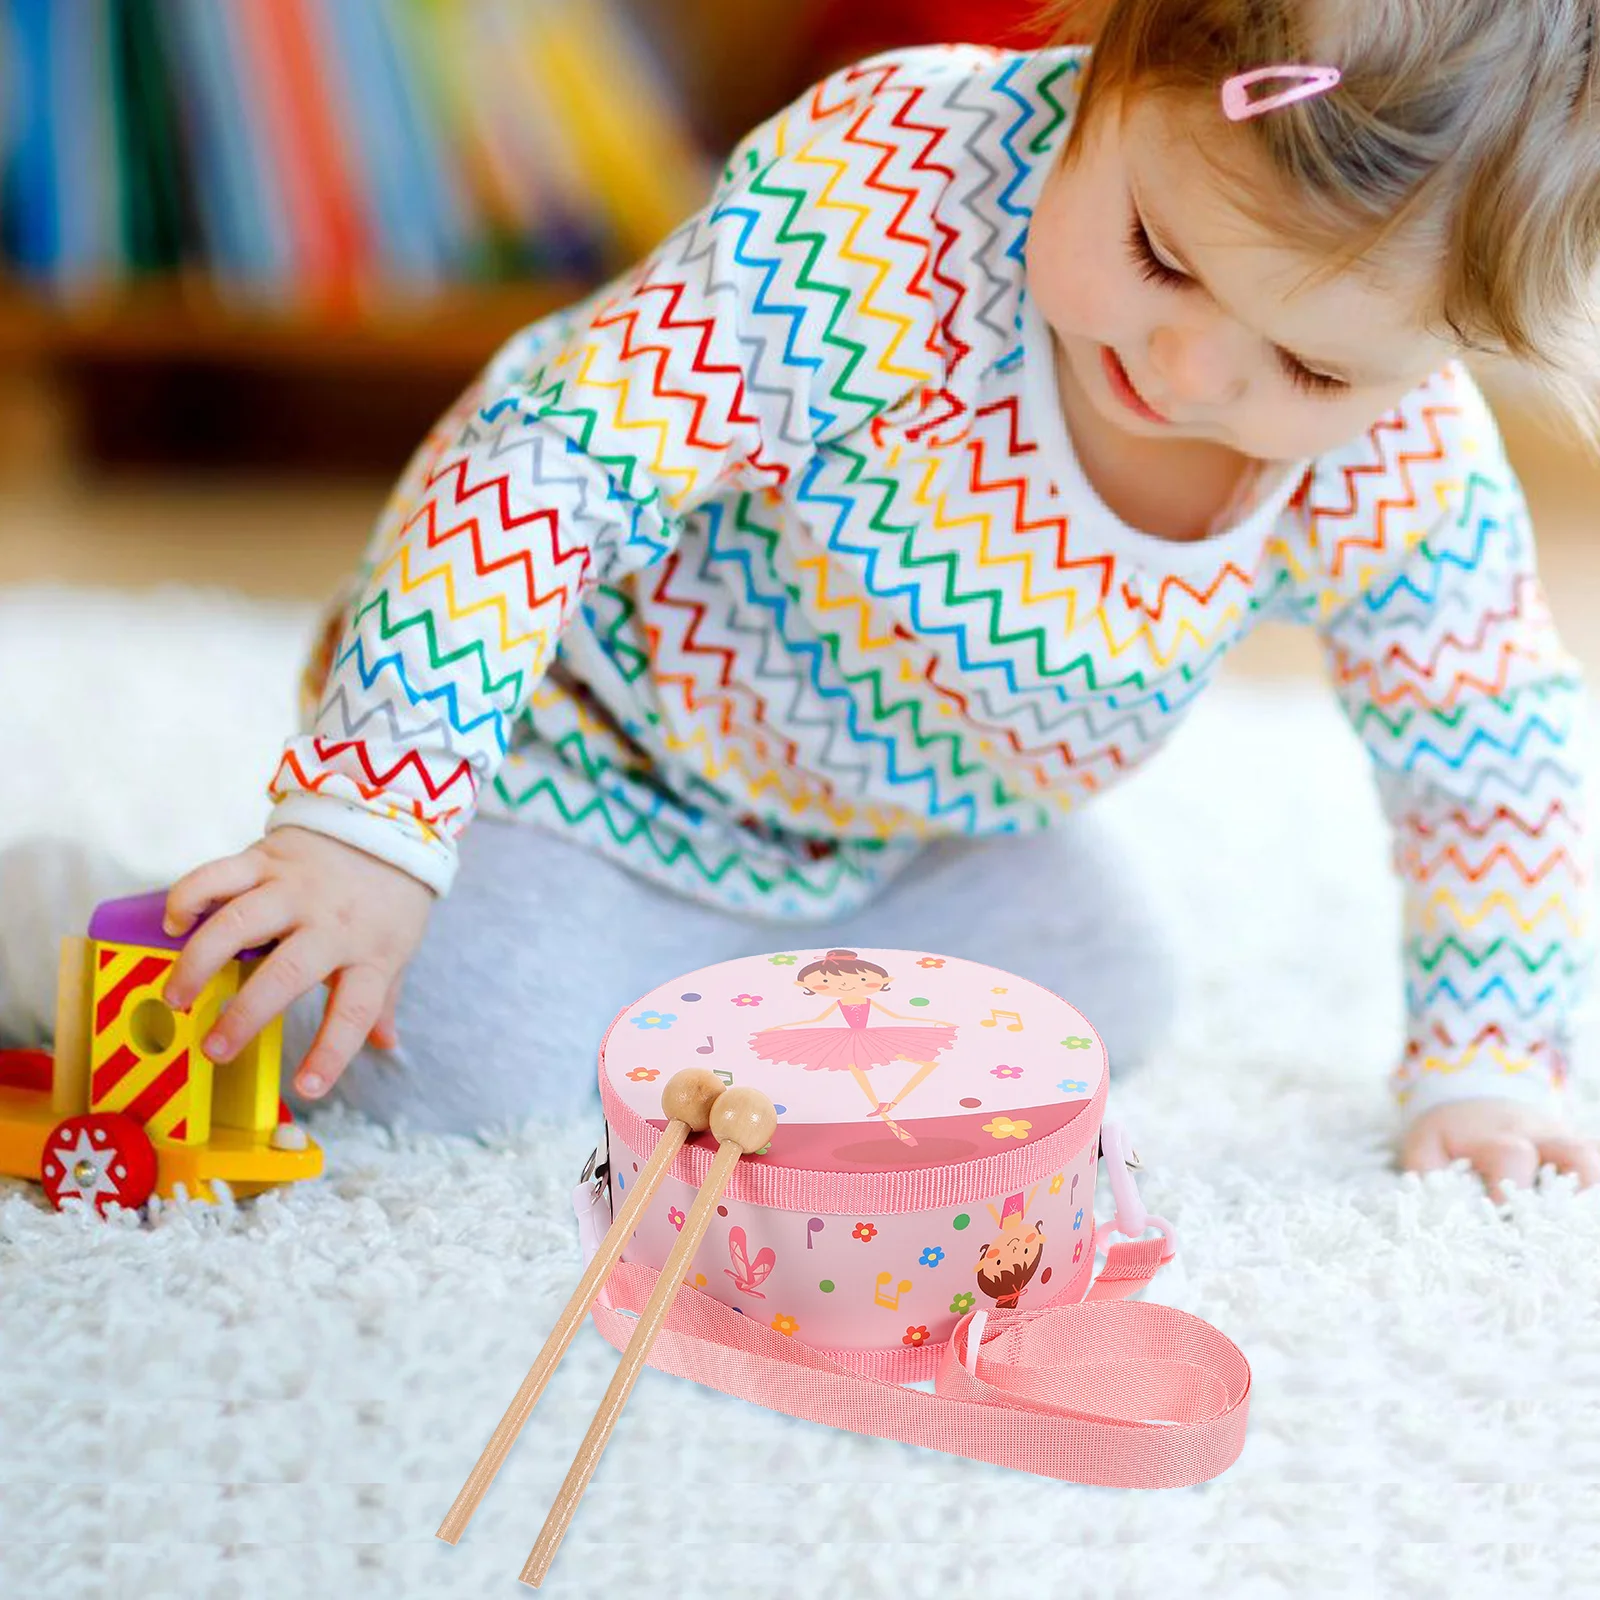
x: 706, y: 1048
x: 813, y: 1226
x: 880, y: 1298
x: 727, y: 1077
x: 749, y: 1272
x: 993, y: 1020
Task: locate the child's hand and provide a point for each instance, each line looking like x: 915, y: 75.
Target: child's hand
x: 1502, y: 1139
x: 342, y: 917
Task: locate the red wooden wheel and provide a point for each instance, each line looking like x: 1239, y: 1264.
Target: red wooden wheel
x: 103, y: 1156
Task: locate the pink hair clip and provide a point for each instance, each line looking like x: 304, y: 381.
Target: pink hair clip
x: 1237, y: 105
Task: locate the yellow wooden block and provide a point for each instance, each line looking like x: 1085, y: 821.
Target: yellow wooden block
x: 69, y: 1086
x: 144, y: 1057
x: 244, y: 1091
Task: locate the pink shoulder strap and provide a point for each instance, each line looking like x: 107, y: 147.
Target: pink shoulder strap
x: 1107, y: 1391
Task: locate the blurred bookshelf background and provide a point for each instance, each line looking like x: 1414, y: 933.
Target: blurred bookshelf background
x: 249, y: 249
x: 216, y: 213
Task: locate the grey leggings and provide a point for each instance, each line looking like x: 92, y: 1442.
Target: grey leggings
x: 542, y: 941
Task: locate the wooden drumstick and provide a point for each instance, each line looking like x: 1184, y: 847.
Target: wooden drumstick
x: 687, y: 1100
x: 742, y: 1120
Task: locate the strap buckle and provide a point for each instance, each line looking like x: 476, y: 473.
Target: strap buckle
x: 1131, y: 1218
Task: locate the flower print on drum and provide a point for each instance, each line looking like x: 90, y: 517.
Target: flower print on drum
x: 857, y: 1047
x: 1006, y: 1264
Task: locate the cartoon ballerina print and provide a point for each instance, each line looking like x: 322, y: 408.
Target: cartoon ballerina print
x: 856, y: 1048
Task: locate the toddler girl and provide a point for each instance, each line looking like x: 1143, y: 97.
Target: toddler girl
x: 801, y: 586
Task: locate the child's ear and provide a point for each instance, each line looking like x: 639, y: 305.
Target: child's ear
x: 983, y: 1252
x: 804, y: 990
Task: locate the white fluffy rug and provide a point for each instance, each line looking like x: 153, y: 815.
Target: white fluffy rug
x: 282, y: 1399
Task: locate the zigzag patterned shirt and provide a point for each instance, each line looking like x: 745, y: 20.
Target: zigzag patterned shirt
x: 771, y: 560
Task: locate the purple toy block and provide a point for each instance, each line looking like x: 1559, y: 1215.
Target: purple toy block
x: 137, y: 920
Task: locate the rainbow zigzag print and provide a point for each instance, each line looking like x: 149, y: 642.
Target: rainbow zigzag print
x: 769, y: 561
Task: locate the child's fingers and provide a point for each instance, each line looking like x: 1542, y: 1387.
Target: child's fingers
x: 218, y: 880
x: 385, y: 1032
x: 254, y: 917
x: 384, y: 1035
x: 356, y: 998
x: 1423, y: 1150
x: 1506, y: 1156
x: 1573, y: 1154
x: 293, y: 968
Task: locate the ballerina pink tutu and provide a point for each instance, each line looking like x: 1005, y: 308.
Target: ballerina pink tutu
x: 840, y: 1049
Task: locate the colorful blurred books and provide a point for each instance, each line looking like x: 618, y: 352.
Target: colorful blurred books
x: 333, y: 153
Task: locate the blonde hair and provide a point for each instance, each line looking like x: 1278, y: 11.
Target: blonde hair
x: 1469, y: 127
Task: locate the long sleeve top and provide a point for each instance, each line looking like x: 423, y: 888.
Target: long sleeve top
x: 771, y: 560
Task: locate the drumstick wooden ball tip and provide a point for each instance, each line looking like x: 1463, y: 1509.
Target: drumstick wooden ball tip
x: 746, y: 1116
x: 689, y: 1096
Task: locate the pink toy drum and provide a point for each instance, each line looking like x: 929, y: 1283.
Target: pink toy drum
x: 938, y: 1129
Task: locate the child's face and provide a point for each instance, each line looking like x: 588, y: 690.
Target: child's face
x: 845, y: 985
x: 1208, y: 359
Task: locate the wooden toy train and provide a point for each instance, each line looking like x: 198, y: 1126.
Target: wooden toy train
x: 127, y: 1104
